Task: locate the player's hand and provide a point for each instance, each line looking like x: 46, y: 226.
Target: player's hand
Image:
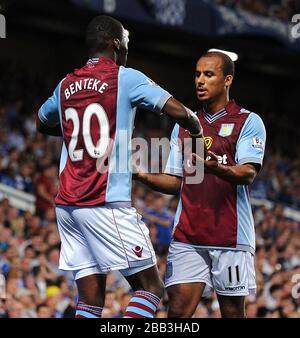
x: 211, y: 163
x: 138, y: 176
x: 136, y: 172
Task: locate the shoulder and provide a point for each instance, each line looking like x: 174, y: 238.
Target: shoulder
x: 130, y: 78
x: 131, y: 75
x: 253, y: 125
x: 60, y: 85
x: 252, y: 118
x: 131, y: 72
x: 249, y: 115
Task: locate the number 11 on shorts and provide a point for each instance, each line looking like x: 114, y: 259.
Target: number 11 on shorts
x: 231, y: 270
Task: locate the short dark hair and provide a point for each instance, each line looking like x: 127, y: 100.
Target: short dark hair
x: 100, y: 31
x: 227, y: 63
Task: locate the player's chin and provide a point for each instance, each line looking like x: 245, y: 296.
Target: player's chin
x: 203, y: 98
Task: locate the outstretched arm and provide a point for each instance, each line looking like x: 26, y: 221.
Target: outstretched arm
x: 238, y: 174
x: 145, y: 93
x: 183, y: 116
x: 167, y: 184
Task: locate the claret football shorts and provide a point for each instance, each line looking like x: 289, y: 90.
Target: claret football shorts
x: 228, y: 272
x: 102, y: 239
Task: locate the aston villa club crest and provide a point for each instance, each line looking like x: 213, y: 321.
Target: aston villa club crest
x: 226, y: 129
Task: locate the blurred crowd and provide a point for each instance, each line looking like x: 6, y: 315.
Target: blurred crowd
x: 281, y: 9
x: 30, y: 244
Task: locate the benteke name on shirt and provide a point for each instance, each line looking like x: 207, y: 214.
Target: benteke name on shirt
x: 86, y: 84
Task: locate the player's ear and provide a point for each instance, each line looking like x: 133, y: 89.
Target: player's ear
x: 117, y: 44
x: 228, y: 80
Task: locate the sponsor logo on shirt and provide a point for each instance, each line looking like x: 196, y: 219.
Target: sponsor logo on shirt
x: 208, y: 142
x: 222, y: 159
x: 226, y: 129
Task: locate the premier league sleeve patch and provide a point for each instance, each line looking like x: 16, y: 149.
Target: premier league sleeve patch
x: 258, y: 143
x: 226, y: 129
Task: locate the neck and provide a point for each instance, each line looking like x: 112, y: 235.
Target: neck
x: 216, y: 105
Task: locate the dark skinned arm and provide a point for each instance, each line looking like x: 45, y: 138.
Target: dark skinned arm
x: 42, y: 128
x: 167, y: 184
x: 239, y: 174
x: 173, y: 108
x: 183, y: 116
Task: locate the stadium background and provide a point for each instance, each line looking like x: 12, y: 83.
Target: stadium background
x: 45, y: 40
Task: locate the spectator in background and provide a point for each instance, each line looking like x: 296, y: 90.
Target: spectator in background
x: 25, y: 297
x: 280, y: 9
x: 153, y: 236
x: 16, y: 310
x: 24, y: 178
x: 251, y: 309
x: 7, y: 176
x: 111, y: 307
x: 173, y: 203
x: 124, y: 301
x: 15, y: 138
x: 43, y: 311
x: 159, y: 215
x: 11, y: 157
x: 288, y: 308
x: 46, y: 188
x: 138, y: 194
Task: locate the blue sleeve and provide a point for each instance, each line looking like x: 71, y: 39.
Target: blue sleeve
x: 251, y: 143
x: 174, y: 164
x: 49, y: 111
x: 142, y: 91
